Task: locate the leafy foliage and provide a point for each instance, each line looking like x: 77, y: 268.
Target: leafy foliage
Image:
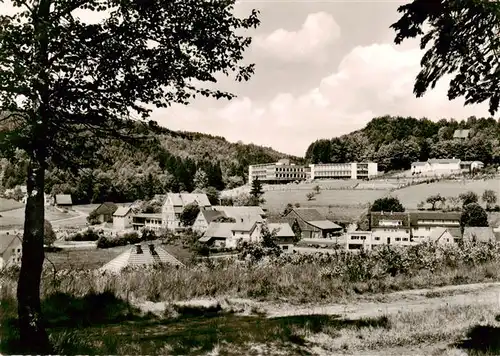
x: 473, y: 215
x: 469, y: 197
x: 489, y: 197
x: 462, y: 40
x: 387, y: 204
x: 395, y: 142
x: 189, y: 214
x: 434, y: 199
x: 49, y: 236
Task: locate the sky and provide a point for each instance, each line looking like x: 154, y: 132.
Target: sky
x: 323, y: 69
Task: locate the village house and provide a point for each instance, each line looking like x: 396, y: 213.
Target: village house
x: 152, y: 222
x: 391, y: 228
x: 312, y: 224
x: 104, y: 212
x: 229, y: 234
x: 141, y: 256
x: 284, y: 235
x: 10, y: 250
x: 205, y: 217
x: 436, y: 167
x: 423, y: 223
x: 357, y: 240
x: 174, y: 205
x: 412, y: 227
x: 63, y: 201
x: 445, y: 236
x: 471, y: 166
x: 122, y: 218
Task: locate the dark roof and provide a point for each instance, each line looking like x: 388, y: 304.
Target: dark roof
x: 211, y: 215
x: 107, y: 208
x: 308, y: 214
x: 433, y: 215
x: 63, y: 199
x: 376, y: 217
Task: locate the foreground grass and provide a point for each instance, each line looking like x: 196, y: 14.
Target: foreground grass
x: 104, y: 324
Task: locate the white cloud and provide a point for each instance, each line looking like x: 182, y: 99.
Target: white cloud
x: 370, y: 81
x: 308, y: 43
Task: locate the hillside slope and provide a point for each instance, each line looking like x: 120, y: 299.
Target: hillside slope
x: 178, y: 161
x: 395, y: 142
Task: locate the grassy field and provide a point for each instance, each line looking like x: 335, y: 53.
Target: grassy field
x: 411, y: 196
x: 104, y: 324
x: 277, y: 200
x: 82, y: 258
x: 9, y: 204
x: 15, y: 218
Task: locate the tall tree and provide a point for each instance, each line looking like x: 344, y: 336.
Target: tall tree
x: 66, y: 85
x: 461, y: 38
x: 256, y: 191
x: 387, y: 204
x: 473, y: 215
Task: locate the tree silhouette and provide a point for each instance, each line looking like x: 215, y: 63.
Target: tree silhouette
x: 67, y: 85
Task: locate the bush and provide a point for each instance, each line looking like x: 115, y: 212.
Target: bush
x: 88, y: 235
x: 129, y: 238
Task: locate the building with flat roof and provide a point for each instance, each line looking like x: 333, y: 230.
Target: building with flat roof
x: 362, y: 170
x: 284, y: 172
x: 279, y: 172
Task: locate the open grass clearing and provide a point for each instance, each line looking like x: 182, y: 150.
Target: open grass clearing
x: 104, y: 324
x: 277, y: 200
x: 9, y: 204
x: 411, y: 196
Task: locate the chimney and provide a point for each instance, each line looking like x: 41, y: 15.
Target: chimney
x: 138, y: 249
x: 152, y: 249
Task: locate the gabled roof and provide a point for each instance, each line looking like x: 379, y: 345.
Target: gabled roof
x: 325, y: 225
x: 63, y: 199
x: 131, y: 258
x: 308, y: 214
x: 183, y: 199
x: 148, y: 216
x: 211, y: 215
x: 377, y: 216
x: 7, y: 241
x: 438, y: 232
x: 239, y: 212
x: 479, y: 234
x: 122, y: 211
x: 220, y: 230
x: 282, y: 229
x: 461, y: 134
x: 106, y: 208
x: 433, y: 215
x: 443, y: 161
x: 419, y: 164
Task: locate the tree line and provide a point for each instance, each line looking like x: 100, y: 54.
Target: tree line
x: 395, y: 142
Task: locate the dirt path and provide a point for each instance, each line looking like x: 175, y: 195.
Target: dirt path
x: 405, y: 301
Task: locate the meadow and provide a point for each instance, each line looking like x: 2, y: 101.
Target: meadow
x: 9, y: 204
x: 412, y: 195
x: 90, y: 312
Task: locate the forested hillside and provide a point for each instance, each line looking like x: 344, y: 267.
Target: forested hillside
x: 178, y: 161
x: 395, y: 142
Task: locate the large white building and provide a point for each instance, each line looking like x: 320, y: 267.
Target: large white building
x: 437, y: 167
x: 283, y: 171
x: 343, y: 170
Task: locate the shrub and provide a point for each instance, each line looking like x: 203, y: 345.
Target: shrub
x: 128, y: 238
x: 88, y: 235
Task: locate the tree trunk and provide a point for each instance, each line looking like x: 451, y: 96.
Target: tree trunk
x: 31, y: 325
